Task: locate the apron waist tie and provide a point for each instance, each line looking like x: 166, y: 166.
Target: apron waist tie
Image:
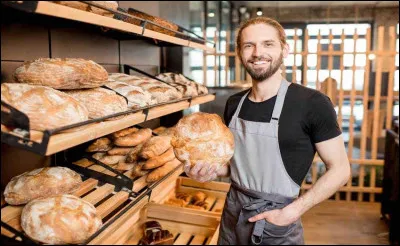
x: 262, y: 202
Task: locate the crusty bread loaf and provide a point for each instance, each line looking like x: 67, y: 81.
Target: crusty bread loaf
x: 67, y: 73
x: 119, y: 151
x: 112, y: 159
x: 170, y: 131
x: 160, y: 172
x: 124, y: 132
x: 188, y: 87
x: 203, y: 137
x: 100, y: 144
x: 155, y: 146
x: 99, y: 101
x: 123, y: 166
x: 133, y: 155
x: 137, y: 97
x: 134, y: 139
x: 42, y: 182
x: 62, y: 219
x: 45, y: 107
x: 83, y: 6
x: 160, y: 160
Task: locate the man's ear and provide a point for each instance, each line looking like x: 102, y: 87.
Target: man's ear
x: 285, y: 51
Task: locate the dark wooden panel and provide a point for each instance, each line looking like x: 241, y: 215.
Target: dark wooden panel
x: 76, y: 43
x: 7, y: 70
x: 23, y: 42
x: 140, y: 53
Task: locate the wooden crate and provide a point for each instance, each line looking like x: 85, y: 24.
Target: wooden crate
x: 215, y: 191
x: 107, y: 202
x: 188, y: 227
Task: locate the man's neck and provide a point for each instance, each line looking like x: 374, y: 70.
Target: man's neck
x: 264, y: 90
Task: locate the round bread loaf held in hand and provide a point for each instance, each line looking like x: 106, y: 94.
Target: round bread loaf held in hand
x: 203, y: 137
x: 42, y: 182
x: 63, y: 219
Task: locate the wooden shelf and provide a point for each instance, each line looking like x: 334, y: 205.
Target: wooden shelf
x: 63, y: 141
x: 60, y: 11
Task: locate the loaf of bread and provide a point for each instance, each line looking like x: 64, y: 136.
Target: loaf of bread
x: 45, y: 107
x: 134, y: 139
x: 63, y: 219
x: 83, y: 6
x: 155, y: 146
x: 133, y: 155
x: 99, y: 101
x: 124, y: 132
x: 100, y: 144
x: 98, y: 155
x: 66, y: 73
x: 112, y: 159
x: 160, y: 172
x: 42, y: 182
x: 137, y: 97
x: 203, y: 137
x: 159, y: 130
x: 170, y: 131
x: 180, y: 79
x: 119, y: 151
x: 160, y: 160
x: 123, y: 166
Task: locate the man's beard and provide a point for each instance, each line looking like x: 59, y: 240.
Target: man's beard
x: 263, y: 74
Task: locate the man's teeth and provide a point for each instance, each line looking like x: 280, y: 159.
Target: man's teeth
x: 260, y: 62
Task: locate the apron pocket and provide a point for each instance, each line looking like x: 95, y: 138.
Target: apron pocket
x: 278, y: 231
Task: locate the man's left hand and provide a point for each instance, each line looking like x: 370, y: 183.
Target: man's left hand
x: 279, y: 217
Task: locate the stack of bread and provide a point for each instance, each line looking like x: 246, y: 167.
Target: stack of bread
x: 196, y: 200
x: 160, y: 92
x: 183, y: 84
x: 136, y: 150
x: 51, y: 214
x: 83, y: 6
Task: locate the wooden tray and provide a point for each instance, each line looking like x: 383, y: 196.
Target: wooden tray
x: 215, y: 191
x: 107, y: 202
x: 188, y: 228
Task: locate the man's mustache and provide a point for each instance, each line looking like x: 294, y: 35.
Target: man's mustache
x: 260, y: 58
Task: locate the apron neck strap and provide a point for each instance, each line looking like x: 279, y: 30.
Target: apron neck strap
x: 280, y: 99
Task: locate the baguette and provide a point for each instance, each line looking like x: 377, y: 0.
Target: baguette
x: 160, y: 172
x: 119, y: 151
x: 134, y: 139
x: 155, y: 146
x: 160, y: 160
x: 133, y: 155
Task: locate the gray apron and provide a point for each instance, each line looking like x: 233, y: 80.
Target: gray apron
x: 260, y: 183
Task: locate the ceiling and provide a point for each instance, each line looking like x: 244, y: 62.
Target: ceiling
x: 302, y: 4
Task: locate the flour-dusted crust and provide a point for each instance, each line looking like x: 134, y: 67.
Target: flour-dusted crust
x: 45, y: 107
x: 100, y: 102
x: 203, y: 137
x: 155, y: 146
x: 63, y: 219
x: 66, y: 73
x: 39, y: 183
x: 137, y: 97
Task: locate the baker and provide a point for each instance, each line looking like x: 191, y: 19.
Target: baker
x: 278, y: 126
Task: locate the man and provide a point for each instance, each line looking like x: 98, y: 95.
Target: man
x: 278, y: 127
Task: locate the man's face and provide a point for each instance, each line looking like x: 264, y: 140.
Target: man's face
x: 261, y: 52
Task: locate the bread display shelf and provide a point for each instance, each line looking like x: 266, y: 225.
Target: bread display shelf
x: 52, y: 141
x: 60, y: 11
x: 215, y: 191
x: 188, y: 228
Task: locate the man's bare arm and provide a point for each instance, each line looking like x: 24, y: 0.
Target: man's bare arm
x: 333, y: 154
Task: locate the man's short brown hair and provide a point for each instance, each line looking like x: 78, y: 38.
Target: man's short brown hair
x: 260, y: 20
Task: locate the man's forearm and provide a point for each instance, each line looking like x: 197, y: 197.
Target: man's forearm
x: 324, y: 188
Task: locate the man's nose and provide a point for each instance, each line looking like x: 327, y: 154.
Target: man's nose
x: 257, y: 51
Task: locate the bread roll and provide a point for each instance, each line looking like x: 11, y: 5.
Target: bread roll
x: 203, y: 137
x: 63, y: 219
x: 45, y: 107
x: 112, y: 159
x: 119, y: 151
x: 66, y: 73
x: 101, y: 144
x: 134, y: 139
x: 155, y: 146
x: 100, y: 102
x: 137, y: 97
x: 160, y: 172
x: 199, y: 197
x: 124, y: 132
x: 42, y: 182
x: 160, y: 160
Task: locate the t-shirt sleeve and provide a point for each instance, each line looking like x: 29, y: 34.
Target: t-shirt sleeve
x: 322, y: 119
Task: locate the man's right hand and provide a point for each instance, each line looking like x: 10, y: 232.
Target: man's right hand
x: 202, y: 172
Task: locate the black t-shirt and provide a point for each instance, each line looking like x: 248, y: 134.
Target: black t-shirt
x: 307, y: 117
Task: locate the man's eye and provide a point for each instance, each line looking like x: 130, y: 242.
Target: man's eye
x: 247, y: 46
x: 268, y: 44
